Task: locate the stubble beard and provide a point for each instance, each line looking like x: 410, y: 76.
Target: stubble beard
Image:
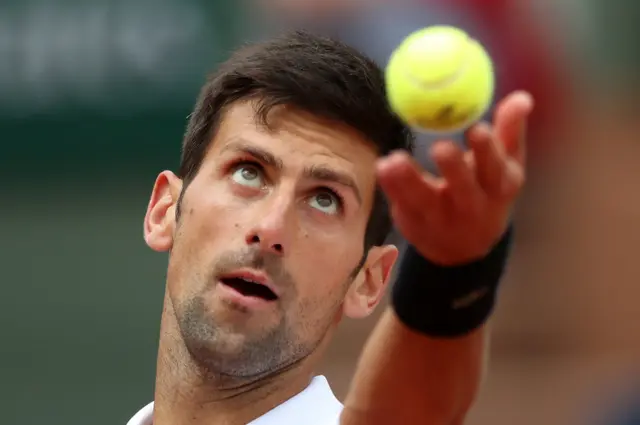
x: 222, y: 353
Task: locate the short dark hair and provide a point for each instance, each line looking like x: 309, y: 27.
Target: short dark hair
x: 315, y: 74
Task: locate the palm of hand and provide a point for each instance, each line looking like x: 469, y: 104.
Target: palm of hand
x: 458, y: 217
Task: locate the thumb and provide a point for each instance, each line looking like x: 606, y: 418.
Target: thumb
x: 510, y: 123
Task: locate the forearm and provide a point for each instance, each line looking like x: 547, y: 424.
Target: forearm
x: 424, y: 362
x: 405, y: 377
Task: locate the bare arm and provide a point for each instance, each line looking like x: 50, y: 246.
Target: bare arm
x: 404, y: 377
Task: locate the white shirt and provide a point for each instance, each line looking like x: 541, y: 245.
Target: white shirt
x: 315, y: 405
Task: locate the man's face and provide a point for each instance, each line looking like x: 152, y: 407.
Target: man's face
x: 268, y: 239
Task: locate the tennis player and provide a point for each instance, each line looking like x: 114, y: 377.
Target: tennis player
x: 292, y: 172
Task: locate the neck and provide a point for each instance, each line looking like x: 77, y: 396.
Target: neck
x: 186, y: 395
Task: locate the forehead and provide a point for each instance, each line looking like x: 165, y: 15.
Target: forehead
x: 299, y: 139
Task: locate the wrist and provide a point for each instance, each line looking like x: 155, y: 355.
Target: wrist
x: 448, y: 300
x: 456, y: 257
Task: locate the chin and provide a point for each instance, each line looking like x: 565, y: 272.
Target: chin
x: 245, y: 354
x: 234, y: 357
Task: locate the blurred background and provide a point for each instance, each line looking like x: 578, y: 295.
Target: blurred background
x: 94, y: 96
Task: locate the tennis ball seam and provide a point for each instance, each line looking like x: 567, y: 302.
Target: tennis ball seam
x: 464, y: 65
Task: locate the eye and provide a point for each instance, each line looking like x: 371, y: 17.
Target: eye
x: 248, y: 175
x: 326, y: 201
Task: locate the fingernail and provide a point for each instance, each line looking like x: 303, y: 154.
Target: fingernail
x: 484, y: 127
x: 399, y: 154
x: 388, y: 162
x: 382, y: 165
x: 525, y: 97
x: 480, y: 130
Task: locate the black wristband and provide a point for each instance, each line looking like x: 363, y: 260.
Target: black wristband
x: 444, y: 301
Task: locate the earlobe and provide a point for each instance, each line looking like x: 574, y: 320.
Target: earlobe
x: 159, y: 221
x: 369, y: 286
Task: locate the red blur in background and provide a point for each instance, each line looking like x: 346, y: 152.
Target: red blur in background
x: 526, y: 61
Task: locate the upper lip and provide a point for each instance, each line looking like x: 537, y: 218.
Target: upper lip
x: 252, y: 276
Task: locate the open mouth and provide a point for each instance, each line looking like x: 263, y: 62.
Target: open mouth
x: 249, y: 288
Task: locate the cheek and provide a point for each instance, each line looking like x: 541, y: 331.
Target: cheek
x: 325, y: 264
x: 322, y: 285
x: 214, y: 215
x: 339, y: 250
x: 207, y: 226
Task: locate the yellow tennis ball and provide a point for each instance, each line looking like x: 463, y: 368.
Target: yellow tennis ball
x: 439, y: 79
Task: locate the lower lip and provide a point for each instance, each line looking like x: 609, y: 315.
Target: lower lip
x: 240, y: 299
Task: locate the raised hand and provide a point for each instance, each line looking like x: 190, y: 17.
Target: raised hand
x: 458, y: 216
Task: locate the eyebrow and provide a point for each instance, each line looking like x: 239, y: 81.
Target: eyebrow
x: 260, y: 154
x: 314, y: 172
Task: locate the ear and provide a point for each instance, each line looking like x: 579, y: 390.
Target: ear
x: 369, y: 286
x: 160, y: 220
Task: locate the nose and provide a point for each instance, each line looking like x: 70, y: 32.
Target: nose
x: 270, y: 233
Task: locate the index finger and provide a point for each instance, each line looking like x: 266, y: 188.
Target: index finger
x: 406, y: 183
x: 510, y: 123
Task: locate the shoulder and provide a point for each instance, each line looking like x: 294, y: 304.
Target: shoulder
x: 143, y: 416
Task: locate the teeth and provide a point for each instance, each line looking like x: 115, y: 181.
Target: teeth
x: 250, y: 281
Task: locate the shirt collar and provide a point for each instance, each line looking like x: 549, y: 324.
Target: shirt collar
x: 315, y: 405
